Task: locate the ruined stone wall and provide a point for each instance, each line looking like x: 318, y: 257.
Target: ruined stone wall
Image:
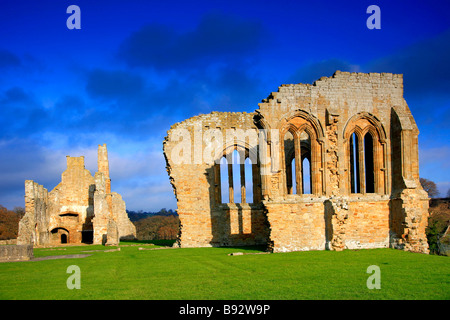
x: 71, y: 202
x: 74, y: 188
x: 16, y: 252
x: 191, y: 153
x: 368, y: 224
x: 238, y: 225
x: 81, y: 208
x: 344, y: 94
x: 411, y: 212
x: 360, y: 139
x: 101, y: 208
x: 330, y: 104
x: 296, y: 226
x: 334, y: 107
x: 33, y: 227
x: 125, y: 228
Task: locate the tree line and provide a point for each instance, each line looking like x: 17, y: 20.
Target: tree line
x: 157, y: 227
x: 9, y: 222
x: 161, y: 225
x: 138, y: 215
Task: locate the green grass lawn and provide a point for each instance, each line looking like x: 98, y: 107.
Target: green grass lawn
x: 209, y: 273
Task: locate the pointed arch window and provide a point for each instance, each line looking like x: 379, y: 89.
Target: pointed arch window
x: 362, y: 163
x: 237, y: 179
x: 298, y: 163
x: 354, y: 164
x: 290, y: 163
x: 306, y: 174
x: 366, y: 165
x: 236, y: 186
x: 369, y: 163
x: 222, y: 176
x: 306, y: 177
x: 248, y: 180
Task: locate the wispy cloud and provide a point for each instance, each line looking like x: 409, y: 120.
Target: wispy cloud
x: 325, y: 68
x: 424, y: 65
x: 113, y: 83
x: 8, y: 59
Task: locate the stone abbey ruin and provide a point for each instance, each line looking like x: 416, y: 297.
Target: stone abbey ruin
x: 332, y: 165
x: 80, y: 209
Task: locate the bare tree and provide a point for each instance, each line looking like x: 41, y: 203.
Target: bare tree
x: 20, y: 211
x: 430, y: 187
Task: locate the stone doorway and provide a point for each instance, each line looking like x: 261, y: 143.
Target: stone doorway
x: 60, y: 236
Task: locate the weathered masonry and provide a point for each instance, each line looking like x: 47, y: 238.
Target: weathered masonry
x: 332, y: 165
x: 16, y: 252
x: 80, y: 209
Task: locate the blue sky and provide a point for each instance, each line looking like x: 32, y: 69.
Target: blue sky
x: 137, y: 67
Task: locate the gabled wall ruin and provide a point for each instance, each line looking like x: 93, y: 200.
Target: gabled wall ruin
x: 333, y: 165
x: 80, y: 209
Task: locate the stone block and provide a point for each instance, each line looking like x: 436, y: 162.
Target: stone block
x: 16, y: 252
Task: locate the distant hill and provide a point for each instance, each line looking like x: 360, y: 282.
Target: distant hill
x: 139, y: 215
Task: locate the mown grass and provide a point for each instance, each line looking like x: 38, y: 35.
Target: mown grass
x: 209, y: 273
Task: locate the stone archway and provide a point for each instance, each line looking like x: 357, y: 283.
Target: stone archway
x: 60, y: 236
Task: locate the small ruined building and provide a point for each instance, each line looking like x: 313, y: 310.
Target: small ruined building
x: 332, y: 165
x: 80, y: 209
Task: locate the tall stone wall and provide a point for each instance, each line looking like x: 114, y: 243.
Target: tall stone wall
x: 296, y: 226
x: 368, y: 223
x: 360, y: 140
x: 192, y: 149
x: 411, y: 221
x: 72, y: 202
x: 80, y: 209
x: 125, y: 228
x: 102, y: 209
x: 33, y: 227
x: 330, y: 104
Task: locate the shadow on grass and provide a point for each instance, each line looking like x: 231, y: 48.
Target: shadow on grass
x: 259, y: 248
x: 169, y: 243
x: 162, y: 243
